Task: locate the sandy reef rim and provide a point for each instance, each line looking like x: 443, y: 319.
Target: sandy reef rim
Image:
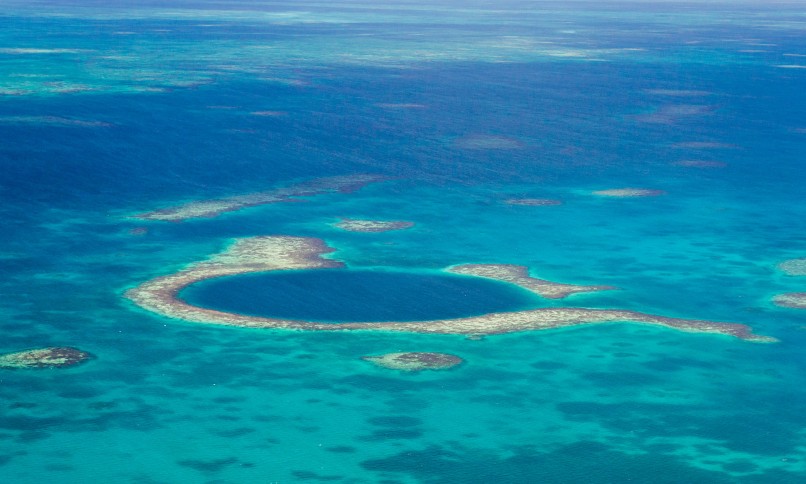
x: 291, y: 193
x: 274, y: 253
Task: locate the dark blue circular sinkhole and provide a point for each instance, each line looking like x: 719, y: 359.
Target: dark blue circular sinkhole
x: 340, y: 295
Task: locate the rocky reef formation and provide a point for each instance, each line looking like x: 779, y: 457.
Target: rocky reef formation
x: 415, y: 361
x: 54, y: 357
x: 796, y: 300
x: 355, y: 225
x: 793, y: 267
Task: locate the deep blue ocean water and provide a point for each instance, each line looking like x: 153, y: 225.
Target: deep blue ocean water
x: 112, y: 109
x: 367, y: 295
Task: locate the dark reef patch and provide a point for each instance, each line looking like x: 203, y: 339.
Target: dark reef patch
x: 341, y: 449
x: 415, y: 361
x: 214, y: 465
x: 391, y: 434
x: 395, y: 421
x: 54, y: 357
x: 313, y: 476
x: 742, y: 432
x: 239, y: 432
x: 579, y: 462
x: 548, y: 365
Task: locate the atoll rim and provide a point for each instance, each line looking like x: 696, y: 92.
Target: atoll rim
x: 519, y: 276
x: 415, y: 361
x: 54, y: 357
x: 272, y: 253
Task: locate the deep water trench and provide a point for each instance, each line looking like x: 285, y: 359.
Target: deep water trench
x: 341, y: 295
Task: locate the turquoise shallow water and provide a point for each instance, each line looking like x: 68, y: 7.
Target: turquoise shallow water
x: 111, y: 111
x: 367, y: 295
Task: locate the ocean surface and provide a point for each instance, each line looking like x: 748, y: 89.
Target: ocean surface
x: 111, y: 109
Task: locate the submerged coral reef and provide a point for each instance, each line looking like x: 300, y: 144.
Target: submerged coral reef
x: 415, y: 361
x: 629, y: 192
x: 215, y: 207
x: 355, y: 225
x: 54, y: 357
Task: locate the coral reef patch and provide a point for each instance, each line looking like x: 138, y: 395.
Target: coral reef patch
x: 354, y: 225
x: 793, y: 267
x: 629, y: 192
x: 54, y: 357
x: 292, y: 193
x: 415, y: 361
x: 796, y: 300
x: 533, y: 202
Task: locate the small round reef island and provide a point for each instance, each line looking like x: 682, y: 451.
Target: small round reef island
x: 284, y: 253
x: 55, y: 357
x: 415, y: 361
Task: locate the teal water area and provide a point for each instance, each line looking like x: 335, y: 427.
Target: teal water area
x: 343, y: 295
x: 107, y: 111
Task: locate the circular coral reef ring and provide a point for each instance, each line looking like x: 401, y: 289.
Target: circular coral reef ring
x: 794, y: 300
x: 55, y: 357
x: 275, y: 253
x: 415, y: 361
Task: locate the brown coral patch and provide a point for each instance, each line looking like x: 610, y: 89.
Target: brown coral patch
x: 55, y: 357
x: 415, y: 361
x: 354, y: 225
x: 796, y: 300
x: 533, y: 202
x: 629, y: 192
x: 793, y: 267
